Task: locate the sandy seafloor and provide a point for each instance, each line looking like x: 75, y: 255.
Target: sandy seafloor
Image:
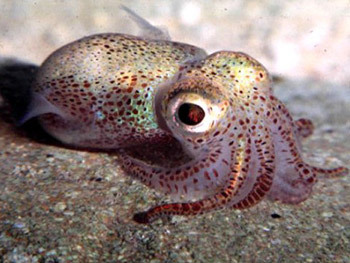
x: 64, y: 205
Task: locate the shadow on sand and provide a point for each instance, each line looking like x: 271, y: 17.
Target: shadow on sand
x: 16, y: 78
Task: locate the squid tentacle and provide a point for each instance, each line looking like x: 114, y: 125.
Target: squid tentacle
x: 294, y: 178
x: 303, y: 127
x: 197, y: 178
x: 264, y: 170
x: 331, y: 172
x: 239, y: 171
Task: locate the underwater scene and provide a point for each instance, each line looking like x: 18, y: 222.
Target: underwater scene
x: 174, y: 131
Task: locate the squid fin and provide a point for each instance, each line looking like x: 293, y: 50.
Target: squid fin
x: 148, y: 30
x: 39, y: 105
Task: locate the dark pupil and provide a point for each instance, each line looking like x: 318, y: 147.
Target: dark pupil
x: 191, y: 114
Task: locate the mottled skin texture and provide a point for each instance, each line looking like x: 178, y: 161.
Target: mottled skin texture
x: 205, y: 129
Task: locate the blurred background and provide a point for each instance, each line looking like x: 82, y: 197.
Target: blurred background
x: 291, y: 38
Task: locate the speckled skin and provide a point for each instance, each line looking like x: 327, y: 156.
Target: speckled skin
x: 103, y: 96
x: 114, y: 91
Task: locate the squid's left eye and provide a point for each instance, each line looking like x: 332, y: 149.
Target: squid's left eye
x: 190, y: 114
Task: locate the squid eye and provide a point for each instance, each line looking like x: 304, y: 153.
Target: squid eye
x: 190, y: 114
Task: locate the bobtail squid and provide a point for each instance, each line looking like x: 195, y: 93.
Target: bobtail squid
x: 204, y: 128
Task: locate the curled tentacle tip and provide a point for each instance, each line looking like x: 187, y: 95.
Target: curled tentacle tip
x: 141, y: 218
x: 333, y: 173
